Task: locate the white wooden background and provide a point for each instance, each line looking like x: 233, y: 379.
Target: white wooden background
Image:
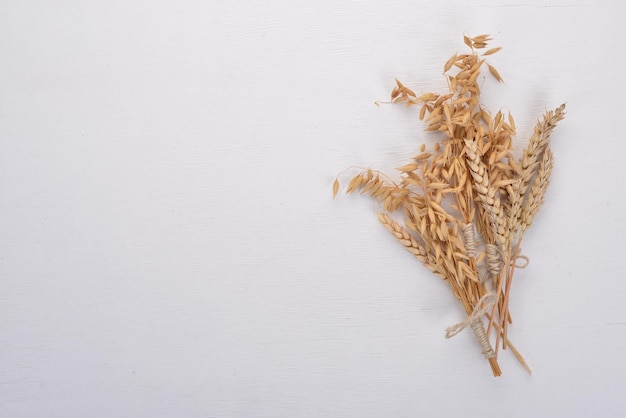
x: 168, y: 242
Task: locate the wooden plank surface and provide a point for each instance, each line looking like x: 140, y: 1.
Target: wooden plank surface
x: 168, y: 242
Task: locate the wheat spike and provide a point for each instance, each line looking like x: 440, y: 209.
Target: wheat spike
x: 487, y: 195
x: 528, y: 165
x: 537, y: 190
x: 410, y: 243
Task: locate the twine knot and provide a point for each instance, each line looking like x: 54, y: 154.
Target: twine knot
x: 469, y: 240
x: 494, y: 259
x: 521, y: 257
x: 474, y: 321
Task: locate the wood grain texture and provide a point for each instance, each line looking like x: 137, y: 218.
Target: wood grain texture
x: 168, y: 242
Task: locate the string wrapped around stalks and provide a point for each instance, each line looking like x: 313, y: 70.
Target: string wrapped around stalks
x: 466, y: 204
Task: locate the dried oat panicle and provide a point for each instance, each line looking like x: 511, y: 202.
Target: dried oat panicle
x: 466, y: 203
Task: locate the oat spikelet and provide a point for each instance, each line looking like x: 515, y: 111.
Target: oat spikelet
x: 495, y: 73
x: 335, y: 188
x: 492, y: 51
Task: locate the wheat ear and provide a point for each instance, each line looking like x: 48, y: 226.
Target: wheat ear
x: 537, y: 190
x: 529, y: 163
x: 539, y: 140
x: 409, y: 243
x: 487, y: 194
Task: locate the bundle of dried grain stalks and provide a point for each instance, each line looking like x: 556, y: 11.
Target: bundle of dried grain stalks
x: 467, y: 203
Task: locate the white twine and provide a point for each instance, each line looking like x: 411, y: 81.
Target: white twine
x: 494, y: 259
x: 474, y: 321
x: 469, y: 240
